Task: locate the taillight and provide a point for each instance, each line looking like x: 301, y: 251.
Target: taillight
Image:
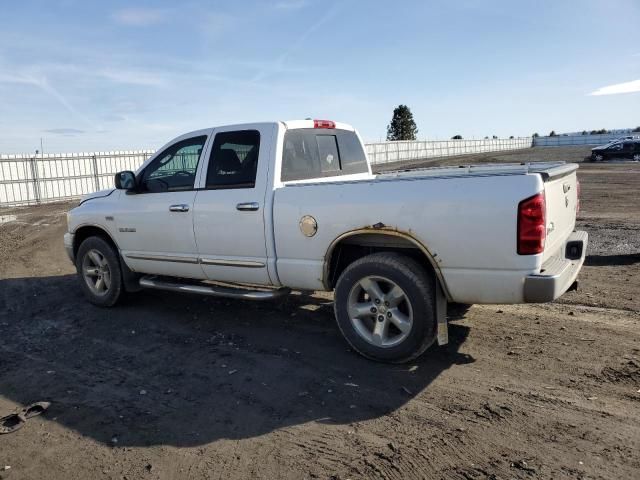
x: 324, y: 124
x: 532, y: 228
x: 577, y: 196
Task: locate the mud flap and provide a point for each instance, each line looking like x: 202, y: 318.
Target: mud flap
x: 130, y: 279
x: 441, y: 315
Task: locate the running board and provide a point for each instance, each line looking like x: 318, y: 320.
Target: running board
x: 158, y: 283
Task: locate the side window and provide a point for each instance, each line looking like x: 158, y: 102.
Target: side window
x: 234, y: 160
x: 175, y: 168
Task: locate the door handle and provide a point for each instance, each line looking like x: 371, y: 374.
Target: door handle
x: 248, y: 206
x: 179, y: 208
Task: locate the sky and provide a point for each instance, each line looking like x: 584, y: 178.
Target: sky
x: 88, y: 75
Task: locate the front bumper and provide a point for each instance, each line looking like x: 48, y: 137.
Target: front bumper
x: 559, y: 272
x: 68, y: 246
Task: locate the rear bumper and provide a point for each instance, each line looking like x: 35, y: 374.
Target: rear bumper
x: 559, y: 272
x: 68, y: 246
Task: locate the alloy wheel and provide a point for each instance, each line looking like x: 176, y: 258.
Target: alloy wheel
x: 380, y: 311
x: 96, y: 272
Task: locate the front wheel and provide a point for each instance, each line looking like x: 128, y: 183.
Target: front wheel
x: 99, y: 272
x: 384, y: 307
x: 636, y: 157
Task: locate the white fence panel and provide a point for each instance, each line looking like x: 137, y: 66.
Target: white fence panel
x: 28, y: 180
x: 568, y: 140
x: 389, y: 152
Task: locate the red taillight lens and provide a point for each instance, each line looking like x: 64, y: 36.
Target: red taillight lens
x: 532, y: 227
x: 324, y: 124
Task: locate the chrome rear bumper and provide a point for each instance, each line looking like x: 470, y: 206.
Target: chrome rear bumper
x: 559, y: 272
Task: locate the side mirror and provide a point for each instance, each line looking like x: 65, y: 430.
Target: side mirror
x: 125, y: 180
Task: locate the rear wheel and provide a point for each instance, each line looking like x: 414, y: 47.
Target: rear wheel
x: 636, y: 157
x: 384, y: 307
x: 99, y: 272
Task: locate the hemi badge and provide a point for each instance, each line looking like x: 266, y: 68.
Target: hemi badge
x: 127, y: 230
x: 109, y: 218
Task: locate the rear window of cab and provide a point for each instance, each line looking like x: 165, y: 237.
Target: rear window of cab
x: 316, y: 153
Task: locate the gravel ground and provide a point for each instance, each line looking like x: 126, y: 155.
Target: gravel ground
x: 170, y: 386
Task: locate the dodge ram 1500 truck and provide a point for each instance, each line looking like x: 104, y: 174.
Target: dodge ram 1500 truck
x: 252, y: 211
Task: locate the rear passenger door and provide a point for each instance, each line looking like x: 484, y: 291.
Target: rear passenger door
x: 229, y: 213
x: 627, y: 150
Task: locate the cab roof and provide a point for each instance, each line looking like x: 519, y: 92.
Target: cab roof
x: 308, y: 123
x: 289, y: 125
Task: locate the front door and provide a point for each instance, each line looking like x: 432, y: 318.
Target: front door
x: 229, y: 214
x: 615, y: 151
x: 155, y: 225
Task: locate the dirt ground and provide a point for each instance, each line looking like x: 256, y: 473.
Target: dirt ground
x: 172, y: 386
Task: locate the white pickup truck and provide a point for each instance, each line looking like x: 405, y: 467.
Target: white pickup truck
x: 252, y: 211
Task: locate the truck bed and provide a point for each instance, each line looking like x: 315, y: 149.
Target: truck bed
x: 546, y: 169
x: 466, y: 217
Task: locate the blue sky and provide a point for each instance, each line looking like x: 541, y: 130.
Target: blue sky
x: 100, y: 75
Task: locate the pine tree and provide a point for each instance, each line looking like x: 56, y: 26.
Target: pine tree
x: 402, y: 126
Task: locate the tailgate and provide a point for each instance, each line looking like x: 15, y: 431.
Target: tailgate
x: 561, y: 194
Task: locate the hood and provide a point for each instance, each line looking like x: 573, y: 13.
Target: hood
x: 99, y: 194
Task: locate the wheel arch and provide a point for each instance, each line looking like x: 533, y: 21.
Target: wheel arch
x: 83, y: 232
x: 129, y: 277
x: 355, y: 244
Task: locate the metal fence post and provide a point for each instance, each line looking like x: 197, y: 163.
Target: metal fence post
x: 96, y: 179
x: 34, y: 176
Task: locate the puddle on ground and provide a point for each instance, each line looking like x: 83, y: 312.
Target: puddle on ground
x: 7, y: 218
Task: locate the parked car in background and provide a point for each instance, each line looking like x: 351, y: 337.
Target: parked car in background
x: 627, y: 150
x: 626, y: 137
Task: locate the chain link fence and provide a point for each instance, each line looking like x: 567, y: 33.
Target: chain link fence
x: 27, y: 180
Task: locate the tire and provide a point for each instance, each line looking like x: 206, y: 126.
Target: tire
x: 103, y: 286
x: 384, y: 340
